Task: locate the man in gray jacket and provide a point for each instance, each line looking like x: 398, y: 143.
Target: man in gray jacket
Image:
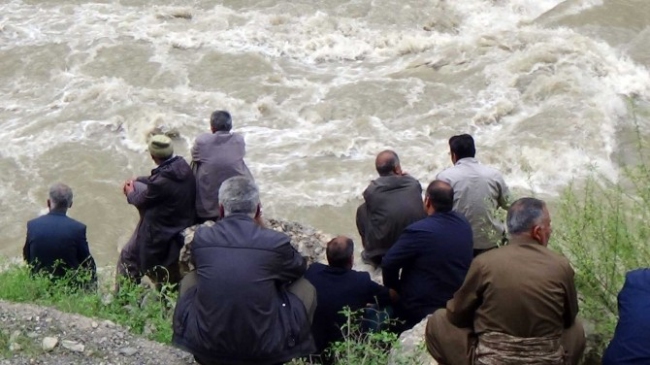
x: 479, y: 191
x: 216, y: 157
x: 247, y: 303
x: 392, y: 202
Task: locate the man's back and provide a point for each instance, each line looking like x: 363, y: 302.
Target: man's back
x: 434, y: 255
x: 631, y: 338
x: 392, y: 202
x: 338, y: 288
x: 478, y: 191
x: 169, y: 207
x: 522, y: 289
x: 218, y: 156
x: 55, y: 237
x: 239, y: 311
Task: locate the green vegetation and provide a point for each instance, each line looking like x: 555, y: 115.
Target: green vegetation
x: 360, y: 347
x: 142, y: 310
x: 602, y: 227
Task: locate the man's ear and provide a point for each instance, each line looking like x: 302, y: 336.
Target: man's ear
x: 49, y: 204
x: 222, y: 212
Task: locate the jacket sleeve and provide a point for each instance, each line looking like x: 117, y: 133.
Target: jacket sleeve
x: 378, y: 293
x: 153, y: 196
x: 461, y: 308
x: 83, y: 251
x: 26, y: 247
x: 196, y: 154
x: 504, y: 193
x: 571, y: 299
x: 400, y: 255
x: 292, y: 264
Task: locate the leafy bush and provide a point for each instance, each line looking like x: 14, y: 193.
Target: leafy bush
x: 602, y: 228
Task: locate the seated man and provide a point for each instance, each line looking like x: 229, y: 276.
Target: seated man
x: 247, y: 302
x: 55, y: 243
x: 631, y: 342
x: 338, y: 286
x: 519, y: 302
x: 433, y: 255
x: 165, y: 201
x: 216, y: 157
x: 392, y: 202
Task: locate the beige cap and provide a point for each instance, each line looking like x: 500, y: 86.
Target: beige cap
x: 161, y: 146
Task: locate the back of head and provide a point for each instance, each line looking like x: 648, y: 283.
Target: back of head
x: 221, y: 121
x: 441, y: 196
x: 340, y: 251
x: 462, y: 146
x: 60, y: 196
x: 161, y: 147
x: 239, y: 195
x: 524, y: 214
x: 387, y: 162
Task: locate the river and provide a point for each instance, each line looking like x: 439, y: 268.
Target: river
x: 317, y: 88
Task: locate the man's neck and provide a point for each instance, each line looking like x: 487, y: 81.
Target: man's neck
x: 59, y: 211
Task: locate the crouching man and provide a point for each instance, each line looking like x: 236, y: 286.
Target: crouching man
x: 518, y: 304
x: 247, y: 302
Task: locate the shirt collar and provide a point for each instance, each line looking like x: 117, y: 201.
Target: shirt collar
x: 522, y: 240
x: 467, y: 160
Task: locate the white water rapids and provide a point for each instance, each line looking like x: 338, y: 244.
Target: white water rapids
x: 317, y: 88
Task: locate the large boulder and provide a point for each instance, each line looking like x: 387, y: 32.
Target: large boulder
x: 307, y: 240
x: 411, y: 349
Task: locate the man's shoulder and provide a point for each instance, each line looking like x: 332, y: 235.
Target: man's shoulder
x: 204, y: 138
x: 60, y: 220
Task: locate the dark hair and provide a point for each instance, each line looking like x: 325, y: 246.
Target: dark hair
x: 441, y: 196
x: 462, y: 146
x: 339, y: 251
x: 387, y: 166
x: 524, y: 214
x: 220, y: 120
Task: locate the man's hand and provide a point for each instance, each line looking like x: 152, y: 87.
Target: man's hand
x: 129, y: 187
x: 394, y: 297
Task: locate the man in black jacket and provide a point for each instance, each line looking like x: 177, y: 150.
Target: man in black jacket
x: 246, y: 303
x: 433, y: 254
x: 167, y: 207
x: 337, y: 287
x: 392, y: 202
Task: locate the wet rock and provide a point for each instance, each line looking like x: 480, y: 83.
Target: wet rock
x: 73, y: 346
x: 49, y: 343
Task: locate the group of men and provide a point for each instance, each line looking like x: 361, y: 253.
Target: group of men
x: 491, y: 295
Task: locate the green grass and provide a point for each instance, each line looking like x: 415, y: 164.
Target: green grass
x: 142, y: 310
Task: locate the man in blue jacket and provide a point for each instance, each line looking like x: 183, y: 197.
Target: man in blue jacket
x: 338, y: 286
x: 433, y: 254
x: 56, y: 243
x: 631, y: 342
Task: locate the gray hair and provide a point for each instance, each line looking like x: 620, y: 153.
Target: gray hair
x: 221, y: 120
x: 239, y: 194
x: 524, y: 214
x: 60, y: 196
x: 387, y: 166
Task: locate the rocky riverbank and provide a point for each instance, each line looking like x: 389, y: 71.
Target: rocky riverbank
x: 38, y: 335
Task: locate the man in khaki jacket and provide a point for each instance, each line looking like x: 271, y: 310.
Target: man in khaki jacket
x: 518, y: 304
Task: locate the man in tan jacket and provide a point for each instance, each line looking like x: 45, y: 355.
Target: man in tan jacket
x: 518, y: 304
